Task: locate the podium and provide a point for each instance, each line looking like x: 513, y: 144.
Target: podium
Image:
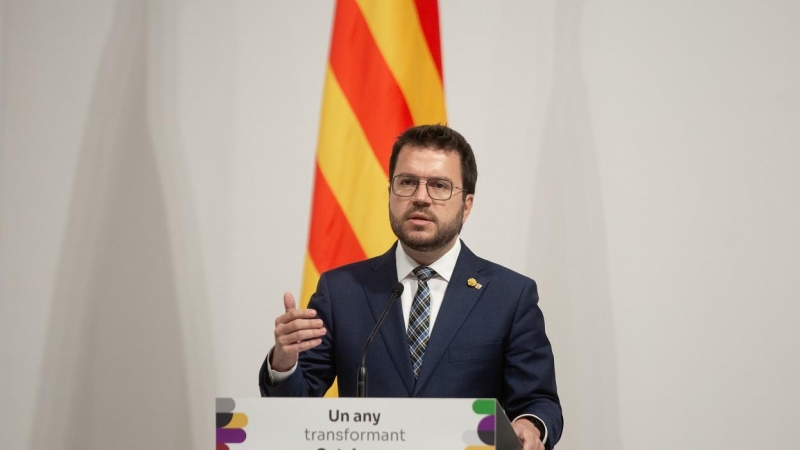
x: 362, y: 424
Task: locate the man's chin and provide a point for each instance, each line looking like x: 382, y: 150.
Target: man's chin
x: 418, y: 234
x: 420, y: 246
x: 421, y: 242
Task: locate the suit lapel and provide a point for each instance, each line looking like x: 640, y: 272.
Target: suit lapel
x: 459, y: 299
x: 392, y: 331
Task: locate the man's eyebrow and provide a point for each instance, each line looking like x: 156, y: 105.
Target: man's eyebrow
x: 406, y: 174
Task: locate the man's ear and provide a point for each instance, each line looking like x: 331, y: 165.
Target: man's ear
x: 467, y: 206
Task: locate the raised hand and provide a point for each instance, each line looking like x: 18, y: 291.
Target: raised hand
x: 297, y: 330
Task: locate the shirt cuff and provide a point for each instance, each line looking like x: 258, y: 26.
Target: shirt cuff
x: 522, y: 416
x: 276, y: 377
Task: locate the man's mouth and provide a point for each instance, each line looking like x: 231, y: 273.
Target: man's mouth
x: 420, y: 218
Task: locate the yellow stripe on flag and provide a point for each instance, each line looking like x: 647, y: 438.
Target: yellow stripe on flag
x: 310, y: 279
x: 356, y: 178
x: 396, y: 29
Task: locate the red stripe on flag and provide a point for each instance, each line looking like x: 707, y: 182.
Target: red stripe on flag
x: 428, y: 12
x: 367, y: 82
x: 331, y: 241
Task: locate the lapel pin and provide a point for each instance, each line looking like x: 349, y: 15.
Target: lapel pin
x: 474, y: 283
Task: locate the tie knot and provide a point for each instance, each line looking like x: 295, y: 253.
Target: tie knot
x: 424, y: 273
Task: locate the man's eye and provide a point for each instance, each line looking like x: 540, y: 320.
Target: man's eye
x: 408, y: 182
x: 440, y: 185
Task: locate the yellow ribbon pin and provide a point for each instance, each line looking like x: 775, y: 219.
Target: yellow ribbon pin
x: 472, y: 282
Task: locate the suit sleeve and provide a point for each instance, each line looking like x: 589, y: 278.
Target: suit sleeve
x: 316, y: 368
x: 530, y: 381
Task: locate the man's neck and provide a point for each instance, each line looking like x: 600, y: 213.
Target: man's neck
x: 430, y: 257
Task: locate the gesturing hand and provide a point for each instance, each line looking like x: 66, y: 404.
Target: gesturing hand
x: 297, y: 330
x: 528, y: 434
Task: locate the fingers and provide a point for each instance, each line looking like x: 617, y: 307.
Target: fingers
x: 293, y: 325
x: 535, y: 444
x: 289, y: 344
x: 296, y: 331
x: 300, y: 346
x: 288, y: 302
x: 292, y: 313
x: 531, y: 443
x: 527, y: 434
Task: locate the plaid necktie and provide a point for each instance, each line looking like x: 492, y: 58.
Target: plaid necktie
x: 419, y: 319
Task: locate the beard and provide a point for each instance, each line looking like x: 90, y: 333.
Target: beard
x: 445, y: 232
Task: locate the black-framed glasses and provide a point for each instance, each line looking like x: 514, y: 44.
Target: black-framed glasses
x: 438, y: 188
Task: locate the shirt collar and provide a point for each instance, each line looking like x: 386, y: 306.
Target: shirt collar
x: 443, y: 266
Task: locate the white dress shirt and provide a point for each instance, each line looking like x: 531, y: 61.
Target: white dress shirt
x: 437, y: 284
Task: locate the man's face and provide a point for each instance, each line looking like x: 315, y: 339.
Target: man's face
x: 421, y: 223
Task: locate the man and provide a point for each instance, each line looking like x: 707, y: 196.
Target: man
x: 464, y: 326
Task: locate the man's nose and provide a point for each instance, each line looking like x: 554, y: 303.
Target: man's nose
x: 421, y: 195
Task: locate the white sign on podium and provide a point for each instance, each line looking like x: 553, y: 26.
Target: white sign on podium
x: 362, y: 424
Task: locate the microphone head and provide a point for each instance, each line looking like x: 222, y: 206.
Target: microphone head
x: 397, y: 289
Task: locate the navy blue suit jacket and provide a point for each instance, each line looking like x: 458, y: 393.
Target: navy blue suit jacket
x: 487, y: 343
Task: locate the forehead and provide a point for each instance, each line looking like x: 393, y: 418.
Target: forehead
x: 428, y: 162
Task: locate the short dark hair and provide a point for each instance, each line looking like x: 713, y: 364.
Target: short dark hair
x: 440, y: 137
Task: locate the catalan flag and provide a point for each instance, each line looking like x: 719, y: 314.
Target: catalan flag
x: 384, y: 75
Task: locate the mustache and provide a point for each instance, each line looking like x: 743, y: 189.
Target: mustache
x: 423, y: 212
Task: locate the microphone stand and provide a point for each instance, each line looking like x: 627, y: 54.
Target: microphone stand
x: 361, y: 377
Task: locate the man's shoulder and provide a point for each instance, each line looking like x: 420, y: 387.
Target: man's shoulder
x: 507, y: 276
x: 493, y: 269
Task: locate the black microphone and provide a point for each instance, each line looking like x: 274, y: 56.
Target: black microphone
x: 361, y: 377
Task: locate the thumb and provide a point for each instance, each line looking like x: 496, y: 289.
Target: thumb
x: 288, y: 302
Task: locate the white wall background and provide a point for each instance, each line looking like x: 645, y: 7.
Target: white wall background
x: 640, y: 160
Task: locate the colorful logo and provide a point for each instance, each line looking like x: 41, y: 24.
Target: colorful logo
x: 486, y: 426
x: 230, y: 424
